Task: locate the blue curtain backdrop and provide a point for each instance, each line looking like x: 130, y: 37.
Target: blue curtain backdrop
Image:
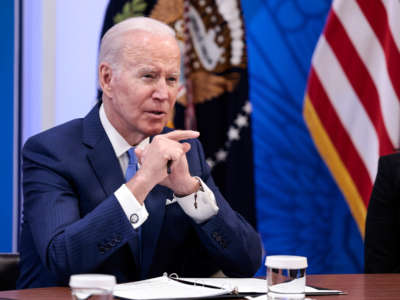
x: 299, y: 208
x: 6, y: 123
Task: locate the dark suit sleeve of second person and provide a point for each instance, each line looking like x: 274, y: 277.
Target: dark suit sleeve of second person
x: 227, y: 236
x: 382, y: 236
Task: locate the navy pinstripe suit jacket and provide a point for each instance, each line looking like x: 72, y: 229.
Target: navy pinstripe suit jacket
x: 73, y: 223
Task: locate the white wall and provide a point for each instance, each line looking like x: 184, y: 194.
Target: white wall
x: 61, y: 40
x: 78, y: 32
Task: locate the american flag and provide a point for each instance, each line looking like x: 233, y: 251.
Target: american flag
x: 352, y: 100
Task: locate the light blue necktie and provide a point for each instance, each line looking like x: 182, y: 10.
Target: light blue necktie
x: 132, y: 164
x: 130, y: 172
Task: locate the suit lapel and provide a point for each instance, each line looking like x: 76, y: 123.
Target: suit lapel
x: 101, y: 154
x: 106, y: 166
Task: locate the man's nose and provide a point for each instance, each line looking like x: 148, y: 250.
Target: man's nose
x: 161, y: 90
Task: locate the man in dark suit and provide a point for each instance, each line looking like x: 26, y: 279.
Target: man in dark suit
x: 89, y: 207
x: 382, y: 233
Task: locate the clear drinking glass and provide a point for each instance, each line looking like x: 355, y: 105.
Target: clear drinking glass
x: 92, y: 286
x: 286, y: 277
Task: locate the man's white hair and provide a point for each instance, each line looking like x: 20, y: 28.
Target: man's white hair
x: 112, y: 42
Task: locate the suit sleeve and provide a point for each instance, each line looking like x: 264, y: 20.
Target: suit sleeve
x: 67, y: 241
x: 228, y: 237
x: 382, y: 225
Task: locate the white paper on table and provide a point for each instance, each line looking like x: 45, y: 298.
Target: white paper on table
x: 164, y: 288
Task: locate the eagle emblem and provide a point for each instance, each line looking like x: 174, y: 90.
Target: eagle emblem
x: 217, y: 44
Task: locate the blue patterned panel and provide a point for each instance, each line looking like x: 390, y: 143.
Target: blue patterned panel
x: 300, y: 210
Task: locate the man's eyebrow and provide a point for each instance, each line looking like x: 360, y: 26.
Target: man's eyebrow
x: 146, y: 68
x: 155, y: 69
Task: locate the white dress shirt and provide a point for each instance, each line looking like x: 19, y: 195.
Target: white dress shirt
x: 205, y: 207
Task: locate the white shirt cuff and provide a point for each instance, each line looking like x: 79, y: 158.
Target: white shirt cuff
x: 205, y: 203
x: 135, y: 212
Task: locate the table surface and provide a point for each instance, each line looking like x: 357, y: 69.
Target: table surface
x: 358, y: 287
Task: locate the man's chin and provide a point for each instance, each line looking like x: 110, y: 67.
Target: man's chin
x: 154, y: 131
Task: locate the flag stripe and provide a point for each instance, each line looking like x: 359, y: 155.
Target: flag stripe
x: 335, y: 164
x: 376, y: 15
x: 347, y: 106
x: 339, y: 135
x: 392, y: 10
x: 359, y: 78
x: 370, y: 51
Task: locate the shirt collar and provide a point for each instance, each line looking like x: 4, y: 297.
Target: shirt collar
x: 119, y: 144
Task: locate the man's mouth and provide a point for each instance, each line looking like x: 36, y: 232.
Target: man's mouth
x: 156, y: 112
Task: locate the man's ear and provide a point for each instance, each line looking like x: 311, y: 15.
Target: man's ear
x: 105, y: 76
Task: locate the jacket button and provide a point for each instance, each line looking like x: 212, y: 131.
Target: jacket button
x: 101, y: 249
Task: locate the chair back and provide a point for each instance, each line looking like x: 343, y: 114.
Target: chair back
x: 9, y: 270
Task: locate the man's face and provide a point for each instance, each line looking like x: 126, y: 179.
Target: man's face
x: 143, y: 91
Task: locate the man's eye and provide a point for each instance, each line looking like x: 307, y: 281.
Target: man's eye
x: 172, y: 79
x: 151, y: 76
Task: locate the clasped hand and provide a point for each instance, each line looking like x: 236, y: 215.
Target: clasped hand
x: 154, y: 157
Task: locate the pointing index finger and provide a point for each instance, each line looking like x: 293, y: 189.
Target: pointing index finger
x: 178, y: 135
